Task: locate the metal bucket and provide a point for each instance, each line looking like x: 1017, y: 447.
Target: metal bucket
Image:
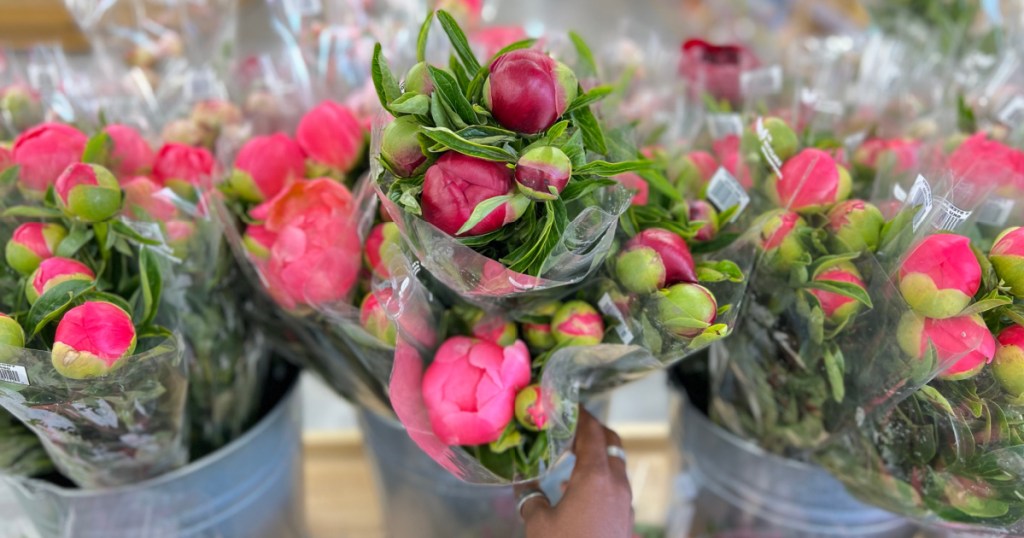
x: 251, y: 488
x: 729, y: 487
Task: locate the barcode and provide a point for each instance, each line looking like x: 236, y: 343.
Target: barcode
x: 12, y: 373
x: 920, y: 195
x: 1012, y: 114
x: 995, y: 211
x: 760, y: 82
x: 950, y: 216
x: 723, y: 125
x: 725, y: 192
x: 610, y: 309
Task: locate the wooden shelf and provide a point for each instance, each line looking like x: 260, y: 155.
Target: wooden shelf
x: 26, y: 22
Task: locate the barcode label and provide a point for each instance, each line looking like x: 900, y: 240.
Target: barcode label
x: 723, y: 125
x: 610, y: 309
x: 995, y: 211
x: 1012, y: 114
x: 950, y: 217
x: 765, y: 137
x: 725, y: 192
x: 12, y: 373
x: 761, y: 82
x: 920, y: 195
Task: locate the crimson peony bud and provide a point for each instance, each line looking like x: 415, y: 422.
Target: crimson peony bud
x: 375, y: 320
x: 542, y: 173
x: 781, y: 243
x: 701, y: 211
x: 811, y: 181
x: 963, y: 345
x: 258, y: 241
x: 53, y: 271
x: 855, y: 225
x: 400, y: 147
x: 641, y: 190
x: 530, y: 410
x: 528, y: 91
x: 685, y: 309
x: 538, y: 335
x: 183, y: 168
x: 418, y: 80
x: 264, y: 165
x: 1008, y: 366
x: 143, y: 200
x: 456, y: 184
x: 88, y: 192
x: 1007, y: 256
x: 838, y: 308
x: 940, y: 276
x: 11, y: 333
x: 130, y: 154
x: 576, y: 323
x: 92, y: 340
x: 673, y: 252
x: 31, y: 243
x: 382, y: 237
x: 43, y: 152
x: 332, y: 137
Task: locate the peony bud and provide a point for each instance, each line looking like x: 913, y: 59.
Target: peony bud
x: 186, y: 132
x: 130, y: 154
x: 780, y: 138
x: 1007, y: 256
x: 542, y: 173
x: 782, y: 246
x: 701, y: 211
x: 1008, y: 366
x: 21, y: 106
x: 528, y: 91
x: 836, y: 307
x: 685, y: 309
x: 43, y: 152
x: 729, y: 153
x: 698, y: 167
x: 214, y: 114
x: 538, y: 335
x: 456, y: 184
x: 376, y: 322
x: 576, y: 323
x: 400, y: 147
x: 88, y: 192
x: 182, y: 168
x: 673, y: 252
x: 530, y: 412
x: 91, y: 340
x: 332, y: 137
x: 6, y: 159
x: 54, y: 271
x: 258, y: 241
x: 641, y: 190
x: 716, y: 69
x: 31, y: 243
x: 418, y: 79
x: 899, y: 154
x: 963, y: 345
x: 940, y: 276
x: 382, y: 237
x: 811, y: 181
x: 264, y: 165
x: 855, y: 225
x: 11, y: 333
x: 640, y: 270
x: 143, y: 200
x: 493, y: 328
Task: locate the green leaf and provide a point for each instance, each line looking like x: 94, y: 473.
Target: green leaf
x: 574, y: 150
x: 9, y: 177
x: 934, y: 397
x: 97, y: 149
x: 518, y: 45
x: 455, y: 142
x: 123, y: 229
x: 719, y: 271
x: 117, y: 300
x: 661, y: 184
x: 383, y: 79
x: 985, y: 305
x: 421, y: 40
x: 593, y: 135
x: 456, y: 69
x: 437, y: 111
x: 607, y: 169
x: 825, y: 263
x: 151, y: 284
x: 589, y: 98
x: 965, y: 119
x: 54, y: 303
x: 487, y: 135
x: 411, y: 103
x: 32, y: 212
x: 834, y: 366
x: 720, y: 241
x: 556, y: 131
x: 586, y: 56
x: 712, y: 334
x: 76, y: 239
x: 451, y: 94
x: 476, y: 85
x: 459, y: 42
x: 578, y: 188
x: 482, y: 210
x: 845, y: 289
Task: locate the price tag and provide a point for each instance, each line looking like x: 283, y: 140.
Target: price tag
x: 765, y: 137
x: 995, y: 211
x: 723, y: 125
x: 761, y: 82
x: 12, y: 373
x: 951, y: 217
x: 725, y: 192
x: 1012, y: 114
x: 920, y: 195
x: 610, y: 309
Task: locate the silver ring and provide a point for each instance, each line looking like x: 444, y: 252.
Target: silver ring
x: 525, y: 497
x: 617, y: 452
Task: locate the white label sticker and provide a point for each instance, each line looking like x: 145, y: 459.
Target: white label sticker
x: 920, y: 195
x: 12, y: 373
x: 950, y: 216
x: 996, y: 211
x: 765, y: 137
x: 725, y: 192
x: 723, y: 125
x: 760, y: 82
x: 1012, y: 114
x: 610, y: 309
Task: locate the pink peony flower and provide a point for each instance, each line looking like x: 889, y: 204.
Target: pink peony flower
x: 716, y: 68
x: 530, y: 409
x: 130, y: 154
x: 88, y: 192
x: 542, y: 173
x: 641, y: 190
x: 702, y: 164
x: 701, y: 211
x: 6, y: 159
x: 940, y: 276
x: 727, y: 149
x: 855, y: 225
x: 332, y: 136
x: 963, y: 345
x: 182, y: 168
x: 91, y: 340
x: 383, y: 236
x: 1008, y: 365
x: 143, y: 200
x: 576, y: 323
x: 400, y: 147
x: 838, y: 308
x: 902, y: 151
x: 988, y: 162
x: 470, y: 389
x: 375, y: 321
x: 528, y: 91
x: 811, y: 181
x: 31, y: 243
x: 1007, y: 256
x: 54, y: 271
x: 456, y: 184
x: 44, y: 151
x: 258, y: 241
x: 264, y: 165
